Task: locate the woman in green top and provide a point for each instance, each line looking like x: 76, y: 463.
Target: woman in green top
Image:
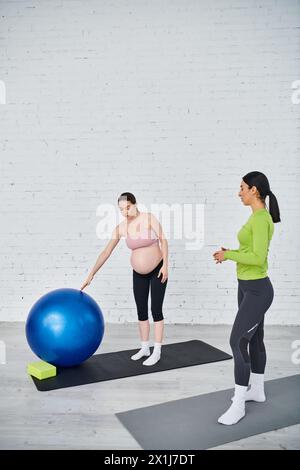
x: 255, y: 293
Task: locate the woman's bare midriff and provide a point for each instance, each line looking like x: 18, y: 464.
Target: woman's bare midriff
x: 144, y: 260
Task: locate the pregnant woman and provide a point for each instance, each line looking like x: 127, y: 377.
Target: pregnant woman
x: 149, y: 261
x: 255, y: 293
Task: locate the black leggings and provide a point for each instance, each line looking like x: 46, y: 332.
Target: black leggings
x: 254, y: 299
x: 141, y: 284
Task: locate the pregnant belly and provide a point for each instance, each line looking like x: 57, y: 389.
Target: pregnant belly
x: 144, y: 260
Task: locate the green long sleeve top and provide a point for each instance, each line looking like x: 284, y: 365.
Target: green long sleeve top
x: 254, y: 238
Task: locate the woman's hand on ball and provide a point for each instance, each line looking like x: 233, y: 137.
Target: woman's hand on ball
x: 87, y: 281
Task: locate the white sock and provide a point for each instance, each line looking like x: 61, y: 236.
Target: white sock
x: 237, y: 410
x: 144, y: 351
x: 155, y: 356
x: 256, y: 392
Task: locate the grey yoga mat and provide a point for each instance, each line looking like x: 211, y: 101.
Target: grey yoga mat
x: 191, y: 423
x: 118, y: 365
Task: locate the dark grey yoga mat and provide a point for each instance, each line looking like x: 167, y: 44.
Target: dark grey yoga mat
x: 116, y: 365
x: 191, y: 423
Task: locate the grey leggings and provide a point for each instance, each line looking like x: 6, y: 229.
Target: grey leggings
x: 254, y: 299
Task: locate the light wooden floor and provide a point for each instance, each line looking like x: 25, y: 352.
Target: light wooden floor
x: 83, y: 417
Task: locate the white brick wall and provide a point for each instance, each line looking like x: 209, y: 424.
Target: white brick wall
x: 172, y: 100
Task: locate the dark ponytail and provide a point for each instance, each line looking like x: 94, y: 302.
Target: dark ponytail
x: 127, y: 197
x: 273, y: 207
x: 261, y: 182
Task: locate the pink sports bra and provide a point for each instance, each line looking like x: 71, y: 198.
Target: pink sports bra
x: 141, y: 241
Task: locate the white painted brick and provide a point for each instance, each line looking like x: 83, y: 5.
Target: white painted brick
x: 172, y: 100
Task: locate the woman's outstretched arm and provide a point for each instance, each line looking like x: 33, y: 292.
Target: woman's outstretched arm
x: 104, y: 255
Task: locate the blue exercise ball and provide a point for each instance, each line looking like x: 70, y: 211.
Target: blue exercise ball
x: 65, y: 327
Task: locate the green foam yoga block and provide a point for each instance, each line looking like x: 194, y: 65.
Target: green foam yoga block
x: 41, y: 370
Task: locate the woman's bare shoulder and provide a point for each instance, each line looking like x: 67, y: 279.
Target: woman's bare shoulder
x: 146, y: 219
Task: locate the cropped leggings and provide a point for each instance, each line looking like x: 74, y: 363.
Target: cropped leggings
x: 141, y: 285
x: 254, y: 299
